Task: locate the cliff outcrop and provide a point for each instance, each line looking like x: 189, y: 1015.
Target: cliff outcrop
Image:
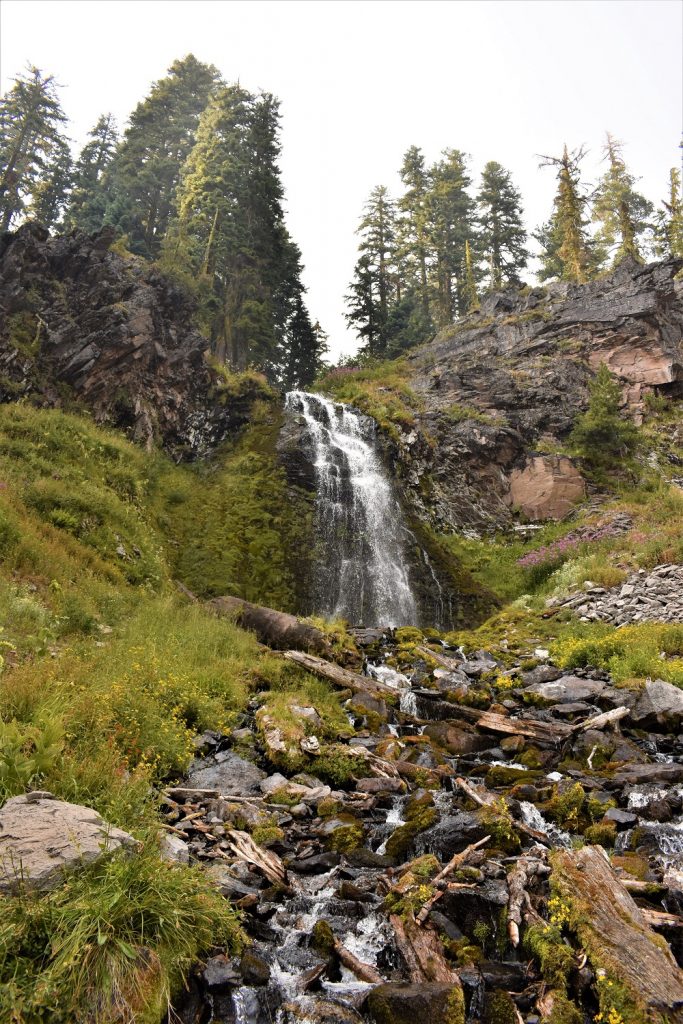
x: 82, y: 325
x: 497, y: 394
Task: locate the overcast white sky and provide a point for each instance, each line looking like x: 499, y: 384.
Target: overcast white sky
x: 361, y: 81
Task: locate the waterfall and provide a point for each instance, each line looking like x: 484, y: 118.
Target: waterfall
x: 361, y: 574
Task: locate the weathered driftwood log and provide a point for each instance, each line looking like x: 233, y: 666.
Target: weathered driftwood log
x: 600, y: 721
x: 616, y: 934
x: 542, y: 732
x: 452, y: 664
x: 488, y: 800
x: 422, y: 952
x: 244, y: 847
x: 527, y: 867
x: 341, y: 677
x: 275, y: 629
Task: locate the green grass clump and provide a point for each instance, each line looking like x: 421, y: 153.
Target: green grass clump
x: 649, y: 649
x: 111, y: 943
x: 381, y: 391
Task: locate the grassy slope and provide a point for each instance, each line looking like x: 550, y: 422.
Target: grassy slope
x: 107, y: 674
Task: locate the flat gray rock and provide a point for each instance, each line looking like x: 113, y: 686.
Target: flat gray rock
x: 227, y: 772
x: 567, y: 690
x: 41, y: 837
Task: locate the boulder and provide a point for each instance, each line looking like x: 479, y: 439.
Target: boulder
x: 660, y: 706
x: 227, y: 772
x: 546, y: 487
x: 41, y: 837
x: 405, y: 1004
x: 567, y: 689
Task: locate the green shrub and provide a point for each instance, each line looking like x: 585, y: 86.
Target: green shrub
x: 601, y: 435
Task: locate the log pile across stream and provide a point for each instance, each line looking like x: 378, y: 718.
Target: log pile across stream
x: 475, y: 851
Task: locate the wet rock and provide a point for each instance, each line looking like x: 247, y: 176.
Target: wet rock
x: 254, y: 969
x: 451, y: 835
x: 41, y: 837
x: 456, y: 740
x: 511, y: 976
x: 220, y: 974
x: 380, y: 786
x: 229, y: 885
x: 227, y: 772
x: 660, y: 706
x: 316, y: 864
x: 405, y: 1004
x: 621, y: 818
x: 468, y: 907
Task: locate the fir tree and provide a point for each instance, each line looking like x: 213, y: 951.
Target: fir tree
x: 88, y: 200
x: 32, y: 148
x: 601, y: 434
x: 142, y: 179
x: 502, y: 238
x: 669, y: 230
x: 413, y: 225
x: 362, y: 306
x: 375, y: 271
x: 230, y: 233
x: 450, y: 222
x: 307, y: 343
x: 569, y: 246
x: 622, y: 213
x: 49, y: 195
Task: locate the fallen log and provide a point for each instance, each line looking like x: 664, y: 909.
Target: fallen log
x: 364, y: 972
x: 489, y: 801
x: 422, y: 952
x: 600, y: 721
x: 341, y: 677
x: 244, y: 848
x: 527, y: 867
x: 543, y: 733
x: 616, y: 934
x: 452, y: 664
x: 278, y: 630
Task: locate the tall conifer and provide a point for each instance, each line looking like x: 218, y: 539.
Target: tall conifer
x: 33, y: 164
x: 569, y: 247
x: 622, y: 213
x: 502, y: 237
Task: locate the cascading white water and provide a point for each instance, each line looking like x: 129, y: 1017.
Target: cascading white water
x: 362, y: 575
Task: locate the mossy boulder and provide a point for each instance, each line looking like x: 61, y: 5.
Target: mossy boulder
x: 406, y: 1004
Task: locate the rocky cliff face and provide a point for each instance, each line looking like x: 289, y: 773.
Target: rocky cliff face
x: 500, y: 390
x: 81, y: 324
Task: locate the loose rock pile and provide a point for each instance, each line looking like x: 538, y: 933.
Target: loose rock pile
x: 644, y: 597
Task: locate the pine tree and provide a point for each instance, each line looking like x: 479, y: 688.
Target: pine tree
x: 569, y: 244
x: 306, y: 346
x: 32, y: 146
x: 601, y: 434
x: 142, y: 179
x: 669, y: 230
x: 502, y: 237
x: 376, y: 271
x: 49, y: 196
x: 414, y: 239
x: 622, y: 213
x: 88, y: 200
x: 450, y: 222
x: 230, y: 235
x: 362, y: 306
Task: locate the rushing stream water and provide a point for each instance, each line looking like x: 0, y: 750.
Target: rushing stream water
x: 362, y: 575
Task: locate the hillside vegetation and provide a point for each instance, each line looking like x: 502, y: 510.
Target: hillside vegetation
x: 108, y: 672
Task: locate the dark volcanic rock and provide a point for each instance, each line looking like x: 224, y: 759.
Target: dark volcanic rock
x: 113, y: 332
x: 398, y: 1004
x: 521, y: 367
